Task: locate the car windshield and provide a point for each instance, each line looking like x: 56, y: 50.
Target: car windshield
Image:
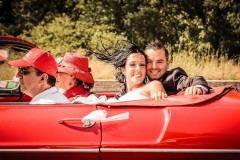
x: 8, y: 74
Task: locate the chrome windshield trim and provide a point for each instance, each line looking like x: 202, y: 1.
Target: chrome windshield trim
x: 50, y: 150
x: 132, y: 150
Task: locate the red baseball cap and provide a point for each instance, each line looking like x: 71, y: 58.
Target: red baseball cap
x: 39, y: 59
x: 77, y: 66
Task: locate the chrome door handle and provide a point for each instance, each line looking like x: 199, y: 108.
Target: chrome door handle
x: 87, y: 123
x: 97, y: 115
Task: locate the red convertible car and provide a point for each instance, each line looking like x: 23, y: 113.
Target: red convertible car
x: 177, y: 127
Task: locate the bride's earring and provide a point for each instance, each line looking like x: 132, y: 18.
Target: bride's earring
x: 146, y: 80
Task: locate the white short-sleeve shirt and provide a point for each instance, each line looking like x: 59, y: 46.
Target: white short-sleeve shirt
x: 49, y: 96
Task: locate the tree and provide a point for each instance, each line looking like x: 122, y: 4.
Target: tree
x: 204, y: 27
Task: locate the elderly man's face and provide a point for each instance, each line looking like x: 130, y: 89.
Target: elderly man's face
x: 30, y: 82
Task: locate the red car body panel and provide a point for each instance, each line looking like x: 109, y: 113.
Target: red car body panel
x: 9, y: 99
x: 177, y: 127
x: 35, y: 130
x: 205, y: 130
x: 202, y: 129
x: 15, y: 43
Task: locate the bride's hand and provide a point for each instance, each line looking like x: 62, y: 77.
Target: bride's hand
x: 159, y: 95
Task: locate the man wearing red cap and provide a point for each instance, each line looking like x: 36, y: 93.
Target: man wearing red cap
x: 74, y: 76
x: 37, y: 71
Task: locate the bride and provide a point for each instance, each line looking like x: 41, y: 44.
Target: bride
x: 130, y: 66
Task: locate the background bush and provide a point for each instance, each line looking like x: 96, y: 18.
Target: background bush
x: 207, y: 28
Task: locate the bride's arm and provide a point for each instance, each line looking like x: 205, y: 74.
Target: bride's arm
x: 156, y: 90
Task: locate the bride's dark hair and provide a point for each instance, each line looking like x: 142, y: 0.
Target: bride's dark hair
x: 118, y: 58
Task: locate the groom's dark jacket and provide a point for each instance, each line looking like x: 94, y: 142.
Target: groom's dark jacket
x: 177, y: 79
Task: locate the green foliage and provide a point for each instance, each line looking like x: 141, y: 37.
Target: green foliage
x: 204, y: 27
x: 63, y: 35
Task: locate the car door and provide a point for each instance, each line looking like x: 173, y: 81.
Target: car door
x: 132, y: 129
x: 177, y: 127
x: 48, y: 131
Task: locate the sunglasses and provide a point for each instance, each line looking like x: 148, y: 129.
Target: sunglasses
x: 24, y: 71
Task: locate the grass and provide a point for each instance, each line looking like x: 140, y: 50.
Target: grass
x: 101, y: 70
x: 209, y: 66
x: 7, y: 72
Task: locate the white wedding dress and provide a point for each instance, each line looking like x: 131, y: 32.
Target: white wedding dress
x: 92, y: 99
x: 130, y: 96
